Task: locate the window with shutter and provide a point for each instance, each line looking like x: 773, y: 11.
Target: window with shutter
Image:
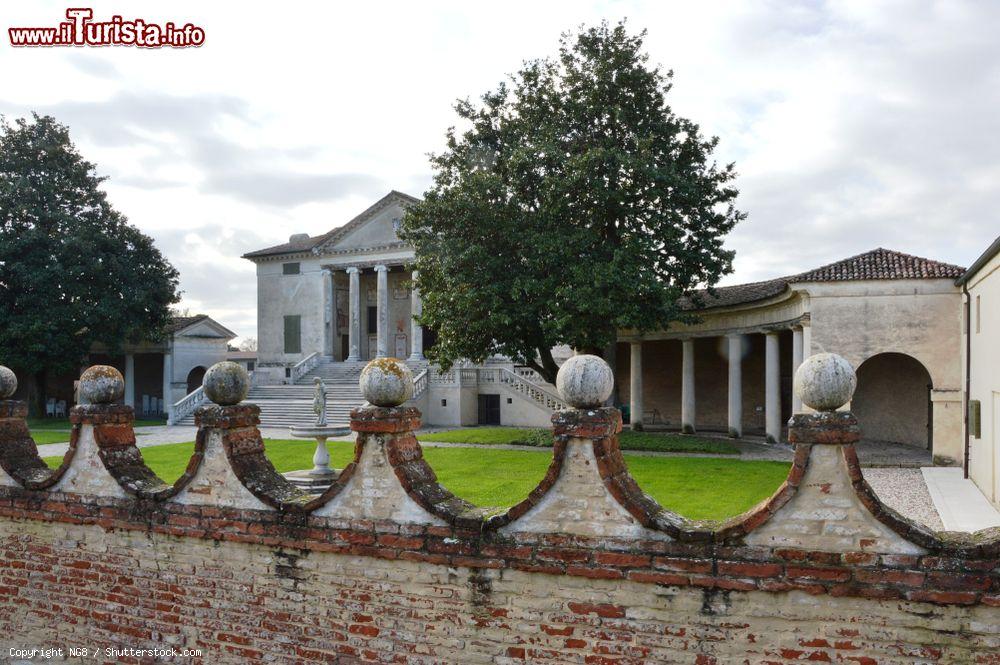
x: 293, y: 334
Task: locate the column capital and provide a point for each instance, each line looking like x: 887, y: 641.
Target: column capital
x: 326, y: 272
x: 381, y: 268
x: 351, y: 271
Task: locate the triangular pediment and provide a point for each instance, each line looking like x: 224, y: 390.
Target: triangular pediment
x: 375, y: 227
x: 206, y: 327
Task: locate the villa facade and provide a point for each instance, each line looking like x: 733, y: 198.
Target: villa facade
x: 981, y: 370
x: 346, y: 296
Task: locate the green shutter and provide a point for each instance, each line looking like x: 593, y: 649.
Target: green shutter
x: 293, y: 334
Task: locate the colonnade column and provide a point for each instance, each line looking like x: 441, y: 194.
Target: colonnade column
x: 796, y: 361
x: 772, y: 388
x: 168, y: 383
x: 130, y: 379
x: 416, y: 330
x: 687, y: 387
x: 635, y: 386
x: 354, y: 327
x: 382, y: 300
x: 735, y: 385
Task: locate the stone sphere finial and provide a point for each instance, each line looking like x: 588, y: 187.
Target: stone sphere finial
x: 825, y: 382
x: 585, y: 381
x: 8, y: 382
x: 226, y: 383
x: 386, y: 382
x: 101, y: 384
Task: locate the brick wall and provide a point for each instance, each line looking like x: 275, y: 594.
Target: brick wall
x: 387, y: 566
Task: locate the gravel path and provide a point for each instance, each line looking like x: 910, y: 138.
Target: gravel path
x: 905, y: 491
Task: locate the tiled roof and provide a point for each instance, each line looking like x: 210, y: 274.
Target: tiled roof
x: 735, y: 295
x: 881, y: 264
x: 876, y: 264
x: 181, y: 322
x: 306, y: 244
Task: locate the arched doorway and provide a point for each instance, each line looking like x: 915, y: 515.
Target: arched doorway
x: 194, y: 379
x: 893, y: 400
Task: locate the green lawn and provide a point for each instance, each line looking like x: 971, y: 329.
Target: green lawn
x: 696, y: 487
x: 44, y: 436
x: 629, y: 440
x: 56, y: 430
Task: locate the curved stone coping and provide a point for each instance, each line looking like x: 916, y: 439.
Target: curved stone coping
x: 244, y: 448
x: 983, y: 543
x: 736, y: 528
x: 19, y: 457
x: 602, y: 426
x: 116, y: 446
x: 245, y: 452
x: 405, y: 456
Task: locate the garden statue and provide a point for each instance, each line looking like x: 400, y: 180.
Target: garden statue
x: 321, y: 476
x: 319, y: 402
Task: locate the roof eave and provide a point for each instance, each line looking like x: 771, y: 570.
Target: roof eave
x: 983, y: 259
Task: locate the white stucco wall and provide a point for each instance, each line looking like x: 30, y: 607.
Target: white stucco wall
x: 984, y: 384
x: 280, y: 295
x: 921, y: 318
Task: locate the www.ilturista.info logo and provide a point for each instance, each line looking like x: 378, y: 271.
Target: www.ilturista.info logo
x: 81, y: 30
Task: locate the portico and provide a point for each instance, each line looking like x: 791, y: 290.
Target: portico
x: 368, y: 309
x: 734, y: 382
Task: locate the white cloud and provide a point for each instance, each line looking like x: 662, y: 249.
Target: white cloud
x: 853, y: 124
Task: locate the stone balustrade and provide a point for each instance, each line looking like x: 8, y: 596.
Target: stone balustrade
x: 389, y: 565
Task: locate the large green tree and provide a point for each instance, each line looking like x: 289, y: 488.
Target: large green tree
x: 573, y: 204
x: 73, y: 272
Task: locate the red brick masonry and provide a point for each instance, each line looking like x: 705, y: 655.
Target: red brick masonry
x: 39, y: 578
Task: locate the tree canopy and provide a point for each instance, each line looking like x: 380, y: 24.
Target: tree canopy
x: 73, y: 271
x: 573, y: 204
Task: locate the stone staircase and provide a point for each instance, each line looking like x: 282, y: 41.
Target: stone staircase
x: 288, y: 405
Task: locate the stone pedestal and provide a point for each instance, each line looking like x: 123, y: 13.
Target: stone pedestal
x: 321, y: 476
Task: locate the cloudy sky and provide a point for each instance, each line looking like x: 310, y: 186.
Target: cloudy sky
x: 852, y: 124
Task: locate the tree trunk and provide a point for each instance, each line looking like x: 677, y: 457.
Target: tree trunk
x: 545, y: 365
x: 34, y: 393
x: 611, y: 357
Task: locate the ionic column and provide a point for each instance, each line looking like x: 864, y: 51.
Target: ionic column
x: 635, y: 390
x: 130, y: 379
x: 416, y: 330
x: 382, y: 342
x: 772, y: 388
x: 687, y: 387
x: 796, y: 361
x: 354, y: 327
x: 326, y: 287
x: 735, y: 386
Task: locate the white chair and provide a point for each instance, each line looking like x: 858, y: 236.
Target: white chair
x: 61, y: 408
x: 50, y: 407
x: 145, y: 404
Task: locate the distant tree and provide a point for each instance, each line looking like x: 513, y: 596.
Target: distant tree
x: 576, y: 204
x: 73, y: 272
x: 248, y: 344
